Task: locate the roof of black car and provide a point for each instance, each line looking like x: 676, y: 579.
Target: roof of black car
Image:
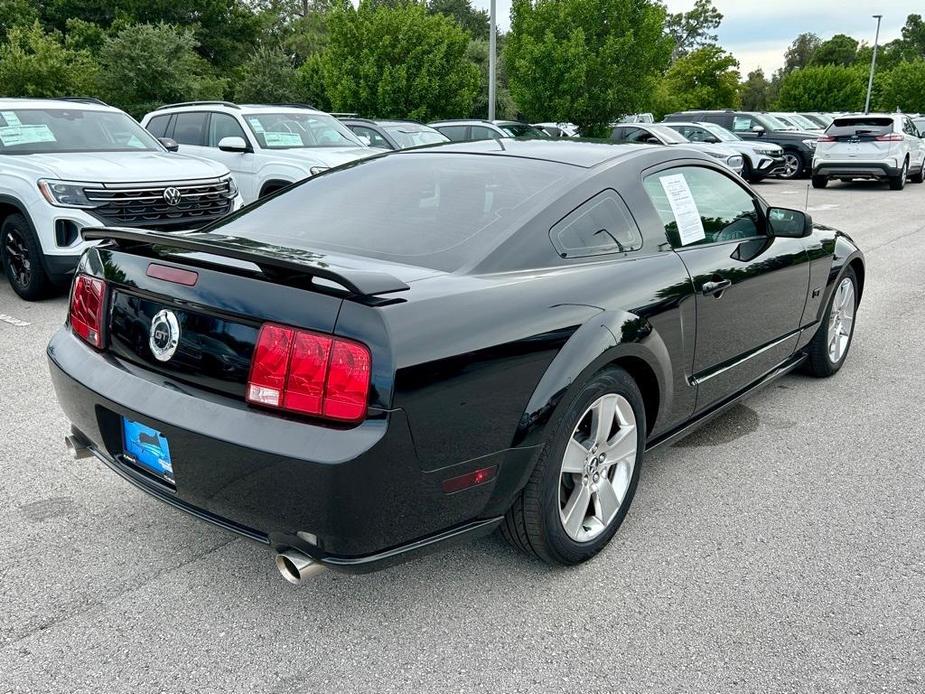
x: 577, y: 153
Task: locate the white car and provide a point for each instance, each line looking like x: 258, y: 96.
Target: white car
x: 660, y: 134
x: 885, y: 147
x: 66, y: 164
x: 760, y: 158
x: 266, y: 146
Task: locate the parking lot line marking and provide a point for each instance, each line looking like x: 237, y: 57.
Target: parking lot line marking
x: 13, y: 321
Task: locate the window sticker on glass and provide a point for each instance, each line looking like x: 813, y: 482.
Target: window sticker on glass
x: 686, y: 214
x: 11, y: 118
x: 256, y: 124
x: 282, y: 139
x: 25, y: 134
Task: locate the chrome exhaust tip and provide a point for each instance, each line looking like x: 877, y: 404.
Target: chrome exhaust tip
x: 77, y: 447
x: 296, y: 567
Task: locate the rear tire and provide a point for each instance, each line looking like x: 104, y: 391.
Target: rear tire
x: 820, y: 181
x: 826, y: 356
x: 542, y: 520
x: 899, y: 182
x: 21, y: 257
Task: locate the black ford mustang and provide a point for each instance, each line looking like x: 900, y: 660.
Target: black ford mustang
x: 426, y: 346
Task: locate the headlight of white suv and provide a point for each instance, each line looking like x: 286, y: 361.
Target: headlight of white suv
x: 65, y: 193
x: 735, y: 162
x: 232, y: 187
x: 315, y: 170
x: 769, y: 151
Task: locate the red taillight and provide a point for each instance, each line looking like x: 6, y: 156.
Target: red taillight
x: 173, y: 274
x: 891, y: 137
x: 826, y: 138
x: 305, y: 372
x: 86, y: 311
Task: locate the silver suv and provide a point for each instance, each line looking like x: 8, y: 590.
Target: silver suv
x: 884, y: 147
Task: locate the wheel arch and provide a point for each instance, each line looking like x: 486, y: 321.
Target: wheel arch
x: 10, y: 205
x: 272, y: 185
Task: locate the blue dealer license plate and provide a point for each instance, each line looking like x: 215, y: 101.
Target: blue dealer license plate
x: 147, y: 448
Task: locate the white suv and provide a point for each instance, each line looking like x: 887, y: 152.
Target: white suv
x: 66, y: 164
x: 878, y: 146
x: 266, y: 146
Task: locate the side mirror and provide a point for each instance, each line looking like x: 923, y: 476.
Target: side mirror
x: 233, y: 144
x: 791, y: 224
x: 711, y: 139
x: 169, y: 144
x: 758, y: 129
x: 365, y: 139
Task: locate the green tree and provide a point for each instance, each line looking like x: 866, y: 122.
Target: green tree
x: 398, y: 62
x: 903, y: 87
x: 838, y: 50
x: 756, y: 92
x: 706, y: 77
x: 913, y: 37
x: 823, y: 88
x: 801, y: 51
x: 16, y: 13
x: 146, y: 65
x: 267, y: 77
x: 695, y: 28
x: 36, y: 63
x: 474, y: 21
x: 585, y: 61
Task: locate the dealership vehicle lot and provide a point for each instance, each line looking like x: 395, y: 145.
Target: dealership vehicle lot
x: 777, y: 548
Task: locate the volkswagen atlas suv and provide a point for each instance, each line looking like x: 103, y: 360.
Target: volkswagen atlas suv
x: 74, y: 163
x: 266, y: 146
x: 886, y: 147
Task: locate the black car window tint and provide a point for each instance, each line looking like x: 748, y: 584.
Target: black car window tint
x: 727, y: 211
x: 157, y: 126
x: 221, y: 126
x: 482, y: 133
x: 598, y: 226
x: 456, y: 133
x: 190, y: 128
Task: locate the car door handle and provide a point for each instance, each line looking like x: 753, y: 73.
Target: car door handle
x: 715, y: 288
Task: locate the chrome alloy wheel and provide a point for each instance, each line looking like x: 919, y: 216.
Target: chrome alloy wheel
x: 17, y: 254
x: 791, y: 165
x: 597, y: 467
x: 841, y: 320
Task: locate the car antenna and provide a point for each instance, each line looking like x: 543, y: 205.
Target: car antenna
x: 806, y: 205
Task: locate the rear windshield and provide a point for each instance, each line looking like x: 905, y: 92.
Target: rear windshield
x: 858, y: 126
x: 522, y: 130
x: 435, y: 210
x: 415, y: 135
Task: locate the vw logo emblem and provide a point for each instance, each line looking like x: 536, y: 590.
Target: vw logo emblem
x: 165, y: 335
x: 172, y: 196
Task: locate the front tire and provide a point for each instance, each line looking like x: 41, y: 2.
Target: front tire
x: 585, y: 476
x: 829, y: 347
x: 899, y: 182
x: 820, y: 181
x: 793, y: 165
x: 920, y: 176
x: 21, y: 255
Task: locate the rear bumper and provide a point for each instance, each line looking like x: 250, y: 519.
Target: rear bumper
x: 856, y: 169
x: 360, y: 491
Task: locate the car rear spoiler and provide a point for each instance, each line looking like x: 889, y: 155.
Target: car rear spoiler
x: 272, y: 260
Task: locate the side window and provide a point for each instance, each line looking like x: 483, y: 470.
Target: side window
x: 698, y: 205
x: 157, y: 126
x: 626, y: 134
x: 222, y: 125
x: 456, y: 133
x: 598, y: 226
x: 742, y: 123
x: 371, y: 137
x: 481, y: 133
x: 190, y: 128
x: 696, y: 134
x: 908, y: 128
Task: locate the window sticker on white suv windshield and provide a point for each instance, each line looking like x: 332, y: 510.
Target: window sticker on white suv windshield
x: 686, y: 214
x: 274, y: 139
x: 10, y: 117
x: 256, y: 125
x: 25, y: 134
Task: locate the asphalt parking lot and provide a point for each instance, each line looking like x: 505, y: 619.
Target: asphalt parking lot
x: 778, y: 549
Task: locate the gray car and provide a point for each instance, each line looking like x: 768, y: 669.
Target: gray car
x: 659, y: 134
x: 760, y: 159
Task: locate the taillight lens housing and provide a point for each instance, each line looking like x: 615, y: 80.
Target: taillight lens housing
x: 85, y: 315
x: 890, y: 137
x: 309, y: 373
x: 826, y: 138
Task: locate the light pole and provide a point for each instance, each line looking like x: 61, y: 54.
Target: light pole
x: 492, y: 59
x: 873, y: 64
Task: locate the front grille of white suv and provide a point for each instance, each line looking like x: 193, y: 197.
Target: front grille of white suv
x: 156, y: 205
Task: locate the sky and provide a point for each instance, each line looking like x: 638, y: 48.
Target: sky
x: 757, y: 32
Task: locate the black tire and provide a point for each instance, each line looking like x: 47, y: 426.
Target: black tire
x: 21, y: 256
x: 899, y: 182
x: 920, y: 176
x: 747, y: 172
x: 820, y: 181
x: 820, y: 363
x: 792, y: 159
x: 533, y: 524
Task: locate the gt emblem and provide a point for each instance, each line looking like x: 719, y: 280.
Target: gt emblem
x: 172, y: 196
x: 165, y: 335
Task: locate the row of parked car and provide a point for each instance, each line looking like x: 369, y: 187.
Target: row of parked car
x: 77, y: 162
